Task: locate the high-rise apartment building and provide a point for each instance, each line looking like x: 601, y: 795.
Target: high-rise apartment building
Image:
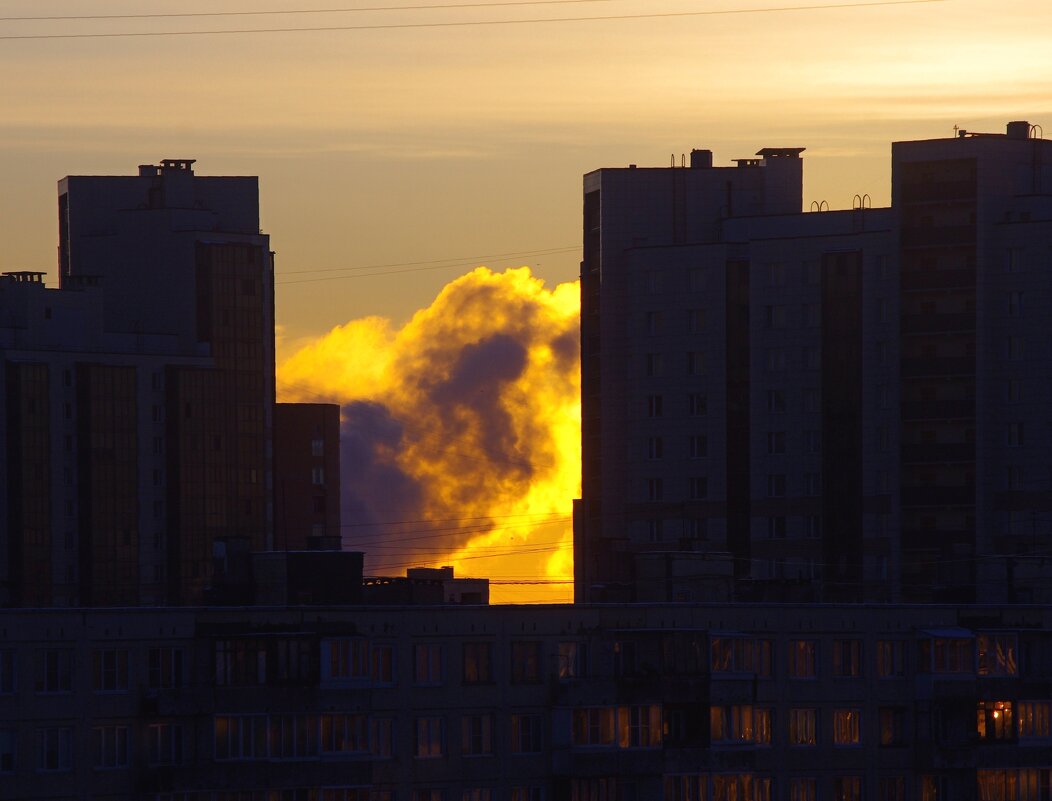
x: 845, y: 405
x: 138, y: 397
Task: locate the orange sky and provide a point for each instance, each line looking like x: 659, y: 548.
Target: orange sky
x: 440, y: 149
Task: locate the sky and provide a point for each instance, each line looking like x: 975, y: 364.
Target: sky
x: 394, y: 160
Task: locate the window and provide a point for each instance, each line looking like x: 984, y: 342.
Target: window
x: 109, y: 671
x: 1015, y: 435
x: 812, y: 441
x: 847, y: 658
x: 933, y: 788
x: 382, y: 663
x: 1014, y: 260
x: 687, y: 787
x: 655, y: 489
x: 478, y: 662
x: 429, y: 738
x: 164, y: 744
x: 525, y: 734
x: 570, y: 660
x: 653, y: 365
x: 652, y: 323
x: 593, y: 727
x: 240, y: 737
x: 812, y: 359
x: 476, y: 735
x: 812, y: 527
x: 775, y: 442
x: 293, y: 736
x: 54, y: 670
x: 776, y: 527
x: 655, y: 448
x: 7, y: 750
x: 776, y: 359
x: 654, y: 406
x: 695, y: 363
x: 427, y: 663
x: 1015, y: 303
x: 344, y: 734
x: 698, y: 446
x: 846, y: 726
x: 812, y: 485
x: 802, y: 727
x: 317, y: 476
x: 348, y: 659
x: 381, y: 738
x: 1035, y: 720
x: 741, y: 655
x: 994, y: 720
x: 775, y: 401
x: 776, y: 485
x: 653, y: 282
x: 802, y: 790
x: 110, y: 747
x: 891, y: 788
x: 740, y: 724
x: 696, y: 279
x: 525, y: 662
x: 1016, y: 348
x: 776, y: 273
x: 55, y: 749
x: 697, y: 404
x: 890, y: 662
x: 847, y: 788
x: 695, y: 321
x: 476, y: 794
x: 698, y: 487
x: 802, y: 661
x: 428, y: 795
x: 947, y: 655
x: 7, y: 671
x: 317, y: 446
x: 774, y: 316
x: 892, y: 725
x: 812, y: 400
x: 996, y: 654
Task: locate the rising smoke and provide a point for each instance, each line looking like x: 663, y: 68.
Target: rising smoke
x: 461, y: 430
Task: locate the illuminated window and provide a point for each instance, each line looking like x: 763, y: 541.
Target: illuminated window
x: 802, y: 727
x: 740, y: 724
x: 741, y: 655
x: 430, y: 732
x: 802, y: 659
x: 846, y: 728
x: 478, y: 663
x: 947, y: 655
x: 847, y: 658
x: 687, y: 787
x: 802, y: 790
x: 890, y: 663
x: 593, y: 726
x: 427, y: 663
x: 1035, y: 720
x: 994, y: 720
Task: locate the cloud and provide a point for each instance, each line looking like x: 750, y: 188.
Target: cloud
x: 461, y: 430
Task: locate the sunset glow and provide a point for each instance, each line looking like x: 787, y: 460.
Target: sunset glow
x: 461, y: 431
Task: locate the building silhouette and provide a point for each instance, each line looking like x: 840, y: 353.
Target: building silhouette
x: 138, y: 397
x: 835, y: 406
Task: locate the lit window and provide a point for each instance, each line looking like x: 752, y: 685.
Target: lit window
x: 1035, y: 720
x: 846, y: 726
x: 847, y: 788
x: 892, y: 725
x: 994, y: 720
x: 429, y: 738
x: 802, y: 727
x: 427, y: 663
x: 802, y: 662
x: 478, y: 662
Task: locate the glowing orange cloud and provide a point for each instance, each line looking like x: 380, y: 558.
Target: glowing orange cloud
x: 461, y: 431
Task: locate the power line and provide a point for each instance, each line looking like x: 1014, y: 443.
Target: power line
x: 295, y: 11
x: 473, y: 23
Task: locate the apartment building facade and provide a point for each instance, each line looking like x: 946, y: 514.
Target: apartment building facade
x: 793, y: 406
x: 759, y: 702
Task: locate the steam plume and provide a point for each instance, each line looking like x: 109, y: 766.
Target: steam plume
x: 461, y: 431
